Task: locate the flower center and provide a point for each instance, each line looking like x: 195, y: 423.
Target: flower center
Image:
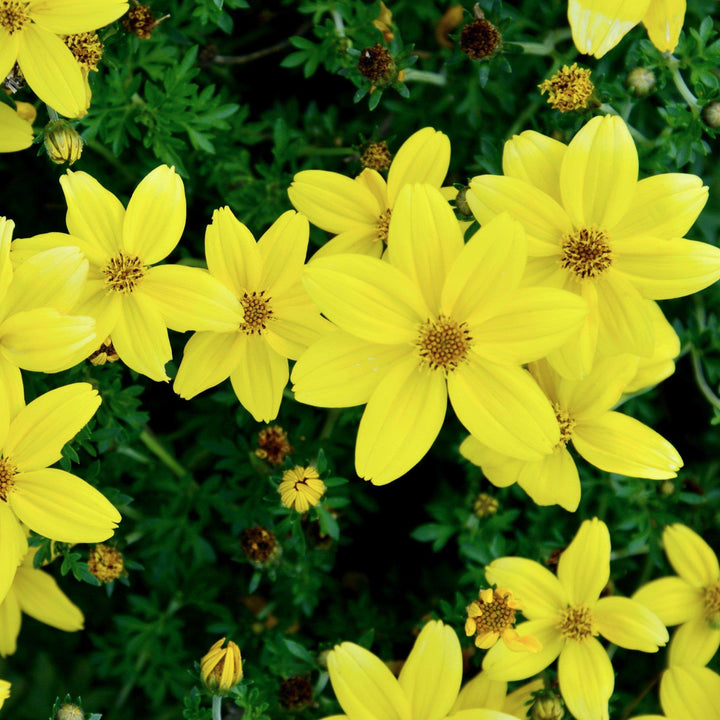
x: 257, y: 310
x: 86, y: 47
x: 14, y: 15
x: 576, y: 623
x: 106, y: 563
x: 443, y: 343
x: 566, y: 424
x: 712, y: 600
x: 123, y: 273
x: 493, y: 612
x: 570, y: 88
x: 383, y: 225
x: 586, y: 253
x: 7, y: 473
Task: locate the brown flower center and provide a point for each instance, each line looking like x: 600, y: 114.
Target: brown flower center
x: 7, y: 473
x: 443, y: 343
x: 493, y: 612
x: 106, y: 563
x: 383, y: 226
x: 586, y: 253
x: 566, y: 424
x: 576, y: 623
x: 86, y: 48
x: 14, y: 15
x: 273, y: 445
x: 123, y: 273
x: 257, y: 310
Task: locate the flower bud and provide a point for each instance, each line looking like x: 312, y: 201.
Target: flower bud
x: 547, y: 707
x: 106, y: 563
x: 69, y: 711
x: 485, y: 505
x: 711, y: 114
x: 62, y: 142
x: 221, y: 668
x: 480, y: 39
x: 640, y: 81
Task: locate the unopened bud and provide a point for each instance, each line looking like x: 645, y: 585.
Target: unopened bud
x: 711, y: 114
x: 221, y: 668
x: 547, y: 707
x: 69, y: 711
x: 640, y: 81
x: 62, y: 142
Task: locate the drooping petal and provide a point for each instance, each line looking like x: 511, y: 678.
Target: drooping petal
x: 65, y: 18
x: 663, y: 21
x: 10, y: 622
x: 672, y: 599
x: 554, y: 480
x: 39, y: 432
x: 40, y: 597
x: 432, y: 673
x: 586, y: 679
x: 481, y: 692
x: 599, y: 173
x: 584, y: 566
x: 599, y: 25
x: 499, y: 469
x: 629, y: 624
x: 17, y: 134
x: 401, y: 421
x: 63, y: 507
x: 9, y: 45
x: 691, y: 557
x: 283, y: 248
x: 155, y: 216
x: 13, y: 546
x: 620, y: 444
x: 689, y: 691
x: 694, y: 643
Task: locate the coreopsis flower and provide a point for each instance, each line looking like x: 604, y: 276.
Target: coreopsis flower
x: 439, y: 317
x: 484, y: 692
x: 358, y: 211
x: 4, y: 691
x: 35, y: 593
x: 597, y: 27
x: 15, y: 132
x: 30, y: 33
x: 52, y: 502
x: 426, y: 689
x: 565, y: 612
x: 221, y: 667
x: 278, y: 320
x: 569, y: 89
x: 607, y: 439
x: 595, y: 230
x: 300, y: 488
x: 131, y: 301
x: 691, y: 598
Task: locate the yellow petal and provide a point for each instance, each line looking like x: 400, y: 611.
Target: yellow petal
x: 11, y: 386
x: 283, y: 248
x: 40, y: 597
x: 620, y: 444
x: 362, y: 240
x: 663, y: 21
x: 432, y: 673
x: 481, y: 714
x: 10, y: 620
x: 104, y: 306
x: 13, y: 547
x: 672, y: 599
x: 628, y: 624
x: 584, y: 566
x: 691, y: 557
x: 65, y: 18
x: 15, y: 133
x: 155, y: 215
x: 694, y: 643
x: 501, y: 470
x: 401, y: 421
x: 260, y: 378
x: 190, y: 298
x: 518, y: 701
x: 690, y: 692
x: 599, y: 25
x: 51, y: 71
x: 586, y: 679
x: 554, y: 480
x: 481, y: 692
x: 63, y: 507
x: 599, y: 173
x: 9, y: 45
x: 296, y: 323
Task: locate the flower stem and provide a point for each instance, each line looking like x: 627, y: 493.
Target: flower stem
x: 152, y: 444
x: 424, y: 76
x: 701, y: 380
x: 52, y: 113
x: 683, y: 89
x: 217, y: 707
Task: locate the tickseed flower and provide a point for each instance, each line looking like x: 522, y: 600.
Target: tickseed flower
x: 300, y: 488
x: 376, y: 156
x: 4, y: 691
x: 484, y: 692
x: 273, y: 445
x: 106, y: 563
x: 359, y: 210
x: 52, y: 502
x: 439, y: 318
x: 277, y: 319
x: 87, y: 49
x: 29, y: 34
x: 570, y: 88
x: 492, y: 617
x: 595, y: 230
x: 691, y: 598
x: 609, y: 440
x: 566, y: 613
x: 35, y: 593
x: 426, y: 689
x: 221, y: 667
x: 63, y: 143
x: 15, y: 132
x: 599, y: 27
x: 131, y: 301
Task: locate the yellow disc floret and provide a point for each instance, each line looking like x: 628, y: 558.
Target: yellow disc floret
x: 566, y: 424
x: 586, y: 253
x: 383, y: 226
x: 711, y: 599
x: 570, y: 88
x: 443, y: 343
x: 577, y: 623
x: 14, y: 15
x: 123, y: 273
x: 86, y: 47
x: 257, y: 310
x: 7, y: 473
x: 106, y: 563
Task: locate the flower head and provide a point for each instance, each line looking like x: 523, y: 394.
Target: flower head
x: 106, y: 563
x: 273, y: 445
x: 300, y: 488
x: 259, y: 545
x: 570, y: 88
x: 480, y: 39
x: 221, y: 667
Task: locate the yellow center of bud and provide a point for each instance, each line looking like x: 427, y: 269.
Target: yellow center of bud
x: 14, y: 15
x: 576, y: 623
x: 566, y: 424
x: 586, y: 253
x: 123, y: 273
x: 86, y: 47
x: 257, y: 310
x: 383, y: 226
x: 712, y: 601
x: 7, y: 473
x: 443, y: 343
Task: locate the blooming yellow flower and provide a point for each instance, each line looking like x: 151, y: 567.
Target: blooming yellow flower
x: 438, y: 318
x: 566, y: 613
x: 691, y: 598
x: 595, y: 230
x: 221, y: 667
x: 15, y: 132
x: 359, y: 210
x: 609, y: 440
x: 30, y: 33
x: 4, y: 691
x: 278, y: 320
x: 599, y: 25
x: 300, y: 488
x: 426, y: 689
x: 484, y: 692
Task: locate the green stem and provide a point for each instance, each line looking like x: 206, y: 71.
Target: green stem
x: 217, y: 707
x: 701, y: 380
x: 52, y: 113
x: 330, y: 421
x: 154, y: 446
x: 682, y: 88
x: 532, y: 48
x: 424, y: 76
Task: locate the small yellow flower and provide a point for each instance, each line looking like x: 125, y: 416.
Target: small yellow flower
x: 15, y: 132
x: 492, y: 617
x: 106, y: 563
x: 221, y: 667
x: 300, y: 488
x: 570, y: 88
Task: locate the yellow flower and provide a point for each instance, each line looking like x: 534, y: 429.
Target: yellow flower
x: 691, y: 598
x: 599, y: 25
x: 595, y: 230
x: 15, y: 132
x: 106, y: 563
x: 278, y: 320
x: 492, y: 616
x: 426, y: 689
x: 359, y: 211
x: 484, y: 692
x: 438, y: 318
x: 609, y: 440
x: 566, y: 613
x: 52, y: 502
x: 30, y: 35
x: 570, y: 88
x: 132, y: 302
x: 35, y: 593
x: 221, y: 667
x: 4, y: 691
x: 300, y: 488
